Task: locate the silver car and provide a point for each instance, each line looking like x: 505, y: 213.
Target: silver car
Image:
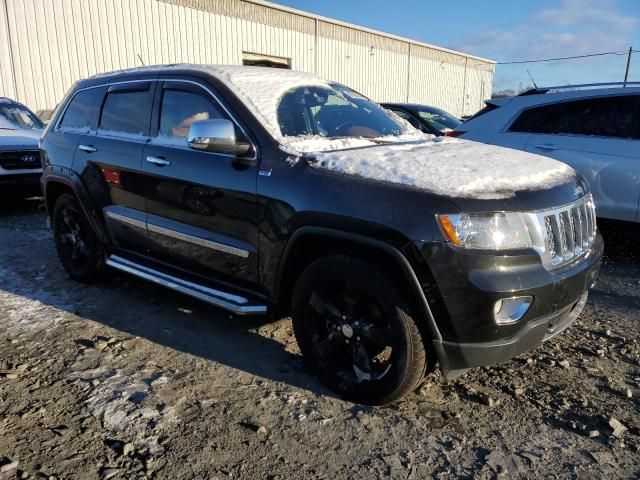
x: 20, y: 167
x: 593, y: 128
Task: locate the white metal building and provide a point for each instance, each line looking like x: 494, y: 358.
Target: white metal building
x: 46, y: 45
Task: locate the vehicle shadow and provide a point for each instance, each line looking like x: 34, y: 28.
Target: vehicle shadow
x: 255, y: 345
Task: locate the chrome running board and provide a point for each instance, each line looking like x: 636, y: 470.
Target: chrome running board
x: 228, y: 301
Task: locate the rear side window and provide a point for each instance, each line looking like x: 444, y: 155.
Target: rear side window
x: 83, y: 109
x: 126, y: 111
x: 604, y: 117
x: 407, y: 117
x: 536, y: 120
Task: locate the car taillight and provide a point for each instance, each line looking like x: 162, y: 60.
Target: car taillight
x: 453, y: 133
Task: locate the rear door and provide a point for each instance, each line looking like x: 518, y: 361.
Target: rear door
x: 599, y: 138
x: 201, y: 206
x: 110, y: 156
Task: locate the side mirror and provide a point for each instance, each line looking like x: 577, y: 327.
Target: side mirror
x: 216, y: 136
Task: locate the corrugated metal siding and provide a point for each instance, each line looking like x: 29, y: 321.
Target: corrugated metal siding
x: 7, y: 78
x: 73, y: 39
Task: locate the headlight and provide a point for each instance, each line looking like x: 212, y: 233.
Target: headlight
x: 487, y: 231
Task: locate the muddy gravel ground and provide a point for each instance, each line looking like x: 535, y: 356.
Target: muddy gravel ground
x: 127, y: 380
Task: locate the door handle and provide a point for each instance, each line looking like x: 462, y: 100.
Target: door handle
x: 547, y: 146
x: 159, y: 161
x: 87, y: 148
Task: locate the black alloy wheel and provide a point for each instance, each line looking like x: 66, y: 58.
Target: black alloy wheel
x: 354, y: 331
x: 78, y: 247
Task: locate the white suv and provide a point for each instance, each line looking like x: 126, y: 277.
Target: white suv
x: 593, y: 128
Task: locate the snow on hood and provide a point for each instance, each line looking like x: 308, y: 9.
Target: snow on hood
x: 450, y: 167
x: 19, y: 137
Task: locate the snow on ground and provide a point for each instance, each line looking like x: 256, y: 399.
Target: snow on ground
x: 125, y: 402
x: 454, y: 168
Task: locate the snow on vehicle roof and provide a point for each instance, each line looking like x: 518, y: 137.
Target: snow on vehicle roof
x: 450, y: 167
x: 260, y: 88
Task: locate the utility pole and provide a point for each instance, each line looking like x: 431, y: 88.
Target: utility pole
x: 626, y: 73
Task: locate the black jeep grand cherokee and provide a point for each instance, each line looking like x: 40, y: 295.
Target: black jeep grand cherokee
x: 263, y: 190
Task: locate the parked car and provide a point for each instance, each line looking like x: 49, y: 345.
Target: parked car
x: 594, y: 129
x: 261, y: 190
x: 426, y: 119
x: 20, y: 167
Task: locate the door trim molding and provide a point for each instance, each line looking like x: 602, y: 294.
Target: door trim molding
x: 203, y: 242
x: 125, y: 219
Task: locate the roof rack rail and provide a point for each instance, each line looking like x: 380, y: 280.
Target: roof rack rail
x: 541, y: 90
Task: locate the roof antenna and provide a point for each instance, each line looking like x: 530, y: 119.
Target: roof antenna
x: 141, y: 60
x: 530, y: 76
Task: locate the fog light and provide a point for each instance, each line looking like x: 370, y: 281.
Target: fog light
x: 510, y: 310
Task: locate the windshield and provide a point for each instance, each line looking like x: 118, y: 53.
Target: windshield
x: 14, y: 116
x: 333, y: 111
x: 438, y: 119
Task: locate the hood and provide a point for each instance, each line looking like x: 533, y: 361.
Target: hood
x: 451, y: 167
x: 19, y: 138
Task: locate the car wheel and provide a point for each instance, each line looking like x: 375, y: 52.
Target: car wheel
x: 79, y: 249
x: 355, y: 331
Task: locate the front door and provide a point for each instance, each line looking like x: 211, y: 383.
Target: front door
x: 201, y: 207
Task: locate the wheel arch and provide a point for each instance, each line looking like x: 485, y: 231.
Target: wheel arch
x: 309, y: 243
x: 55, y: 187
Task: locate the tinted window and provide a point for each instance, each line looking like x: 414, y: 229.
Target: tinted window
x: 605, y: 117
x: 536, y: 120
x: 407, y: 117
x: 181, y: 108
x: 83, y: 109
x: 126, y: 112
x: 439, y: 119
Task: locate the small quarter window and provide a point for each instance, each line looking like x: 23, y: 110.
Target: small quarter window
x: 83, y: 109
x: 126, y: 112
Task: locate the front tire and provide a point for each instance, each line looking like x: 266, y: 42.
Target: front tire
x: 355, y: 331
x: 79, y: 249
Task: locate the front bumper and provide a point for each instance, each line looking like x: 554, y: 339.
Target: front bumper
x: 470, y: 284
x: 457, y: 358
x: 20, y: 185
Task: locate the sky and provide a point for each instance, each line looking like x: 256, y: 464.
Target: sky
x: 510, y: 30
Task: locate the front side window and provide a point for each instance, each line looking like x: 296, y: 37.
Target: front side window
x: 14, y: 116
x: 333, y: 111
x: 83, y: 109
x: 182, y: 108
x: 604, y: 117
x: 126, y: 112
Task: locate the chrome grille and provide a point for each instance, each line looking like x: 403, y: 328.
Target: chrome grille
x: 568, y: 232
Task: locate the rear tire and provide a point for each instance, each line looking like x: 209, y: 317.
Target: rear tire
x: 79, y: 249
x: 355, y: 331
